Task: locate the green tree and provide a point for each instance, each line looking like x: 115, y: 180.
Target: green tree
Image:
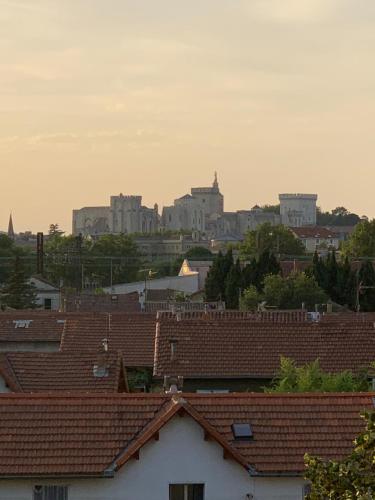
x: 267, y: 264
x: 348, y: 479
x: 249, y: 273
x: 64, y: 257
x: 339, y: 216
x: 214, y: 282
x: 272, y: 209
x: 122, y: 252
x: 272, y: 239
x: 18, y: 293
x: 319, y: 271
x: 199, y: 253
x: 362, y: 241
x: 54, y: 230
x: 250, y: 299
x: 278, y: 291
x: 336, y: 278
x: 293, y: 291
x: 233, y: 286
x: 346, y: 284
x: 215, y: 285
x: 311, y: 378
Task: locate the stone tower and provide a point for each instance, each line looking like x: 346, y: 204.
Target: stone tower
x: 11, y: 234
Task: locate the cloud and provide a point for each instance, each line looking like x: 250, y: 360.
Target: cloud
x: 69, y: 141
x: 291, y: 10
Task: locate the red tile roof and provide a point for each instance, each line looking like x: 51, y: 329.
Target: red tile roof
x: 313, y: 232
x: 132, y: 334
x: 271, y: 316
x: 21, y: 326
x: 90, y: 434
x: 57, y: 371
x: 244, y: 349
x: 128, y: 302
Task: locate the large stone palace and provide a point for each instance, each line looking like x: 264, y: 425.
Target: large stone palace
x: 201, y: 212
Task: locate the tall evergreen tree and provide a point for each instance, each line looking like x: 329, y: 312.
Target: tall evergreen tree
x: 267, y: 264
x: 346, y: 284
x: 18, y: 293
x: 213, y: 284
x: 332, y: 272
x: 366, y: 278
x: 249, y: 274
x: 319, y: 271
x: 233, y: 286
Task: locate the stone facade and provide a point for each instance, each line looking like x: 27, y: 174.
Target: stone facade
x: 187, y: 214
x: 90, y: 221
x: 124, y: 215
x: 298, y: 210
x: 201, y: 212
x: 198, y: 211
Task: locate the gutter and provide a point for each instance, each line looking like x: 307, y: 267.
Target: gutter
x: 254, y: 473
x: 107, y: 474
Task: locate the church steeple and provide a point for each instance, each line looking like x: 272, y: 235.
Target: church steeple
x: 215, y: 183
x: 10, y: 228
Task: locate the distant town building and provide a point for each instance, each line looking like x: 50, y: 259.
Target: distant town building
x: 47, y: 295
x: 198, y: 211
x: 126, y: 214
x: 298, y: 210
x: 316, y: 238
x: 187, y: 214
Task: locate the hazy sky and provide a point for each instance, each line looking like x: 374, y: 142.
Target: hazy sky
x: 149, y: 97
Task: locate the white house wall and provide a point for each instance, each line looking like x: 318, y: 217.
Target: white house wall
x: 180, y: 456
x: 188, y: 284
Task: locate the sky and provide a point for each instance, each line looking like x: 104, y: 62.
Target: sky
x: 151, y: 97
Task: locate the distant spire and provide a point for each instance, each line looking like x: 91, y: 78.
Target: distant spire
x: 215, y: 184
x: 10, y: 228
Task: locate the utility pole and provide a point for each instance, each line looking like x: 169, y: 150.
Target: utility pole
x: 40, y: 253
x: 361, y: 287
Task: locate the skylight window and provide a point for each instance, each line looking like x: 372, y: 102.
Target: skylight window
x: 242, y: 431
x: 100, y: 371
x: 22, y: 323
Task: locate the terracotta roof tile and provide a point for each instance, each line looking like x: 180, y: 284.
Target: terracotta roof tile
x: 20, y: 326
x: 86, y: 434
x: 313, y: 232
x: 239, y: 349
x: 132, y: 334
x: 57, y: 371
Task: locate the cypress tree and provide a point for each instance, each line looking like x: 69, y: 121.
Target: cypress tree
x: 332, y: 277
x: 366, y: 277
x: 346, y: 284
x: 18, y: 293
x: 213, y: 284
x: 249, y: 274
x: 233, y: 286
x: 267, y: 264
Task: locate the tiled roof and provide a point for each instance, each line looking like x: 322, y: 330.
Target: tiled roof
x: 20, y: 326
x: 90, y: 434
x: 240, y: 349
x: 271, y: 316
x: 290, y: 266
x: 57, y: 371
x: 132, y: 334
x: 313, y: 232
x: 159, y: 295
x: 126, y: 303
